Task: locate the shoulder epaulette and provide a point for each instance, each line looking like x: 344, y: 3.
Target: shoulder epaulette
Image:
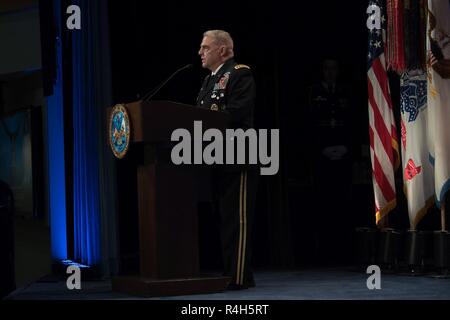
x: 240, y: 66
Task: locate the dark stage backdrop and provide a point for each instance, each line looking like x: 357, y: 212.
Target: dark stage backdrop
x: 284, y: 44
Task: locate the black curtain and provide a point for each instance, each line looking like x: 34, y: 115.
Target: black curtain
x: 284, y: 46
x: 151, y: 40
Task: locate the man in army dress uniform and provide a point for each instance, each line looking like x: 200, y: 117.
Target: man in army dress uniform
x: 331, y: 159
x: 230, y: 88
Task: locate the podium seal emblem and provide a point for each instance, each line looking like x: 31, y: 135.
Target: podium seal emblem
x: 119, y: 131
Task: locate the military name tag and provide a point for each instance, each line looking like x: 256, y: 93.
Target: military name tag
x: 119, y: 131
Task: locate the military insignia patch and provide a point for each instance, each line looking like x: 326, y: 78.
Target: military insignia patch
x: 223, y: 81
x: 214, y: 107
x: 119, y: 131
x: 240, y: 66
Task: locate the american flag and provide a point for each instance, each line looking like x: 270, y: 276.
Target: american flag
x: 382, y: 130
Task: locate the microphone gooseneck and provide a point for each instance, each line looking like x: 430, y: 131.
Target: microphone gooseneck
x: 150, y: 95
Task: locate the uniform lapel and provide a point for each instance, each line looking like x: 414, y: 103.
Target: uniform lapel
x: 209, y: 82
x: 206, y: 87
x: 225, y: 68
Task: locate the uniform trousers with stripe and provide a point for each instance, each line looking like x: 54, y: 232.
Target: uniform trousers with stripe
x: 235, y: 201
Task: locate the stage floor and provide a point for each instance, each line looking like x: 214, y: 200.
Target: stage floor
x: 311, y: 284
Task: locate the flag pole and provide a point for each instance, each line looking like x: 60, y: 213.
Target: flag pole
x: 443, y: 227
x: 384, y: 222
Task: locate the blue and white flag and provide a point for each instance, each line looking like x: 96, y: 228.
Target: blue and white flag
x: 438, y: 73
x: 418, y: 176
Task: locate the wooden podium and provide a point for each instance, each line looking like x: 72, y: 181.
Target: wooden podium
x: 168, y: 224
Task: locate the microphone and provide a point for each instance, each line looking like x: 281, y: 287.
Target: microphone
x: 150, y: 94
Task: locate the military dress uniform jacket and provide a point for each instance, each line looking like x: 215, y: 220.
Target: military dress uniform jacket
x: 232, y: 90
